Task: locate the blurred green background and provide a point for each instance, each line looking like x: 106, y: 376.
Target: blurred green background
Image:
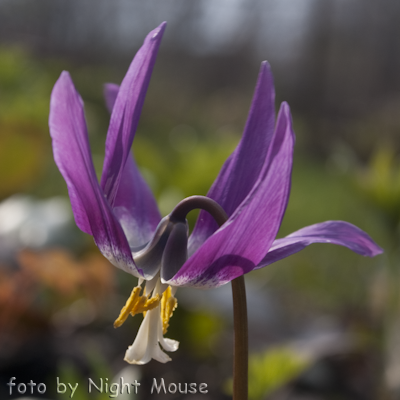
x: 324, y: 323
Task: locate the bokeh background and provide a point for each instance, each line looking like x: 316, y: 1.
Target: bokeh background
x: 324, y: 323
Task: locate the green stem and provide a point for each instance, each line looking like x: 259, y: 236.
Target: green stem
x: 240, y: 326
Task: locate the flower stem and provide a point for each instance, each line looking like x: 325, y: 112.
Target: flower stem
x: 240, y: 326
x: 240, y: 345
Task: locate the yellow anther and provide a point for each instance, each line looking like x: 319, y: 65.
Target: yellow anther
x: 130, y: 303
x: 136, y: 304
x: 168, y: 305
x: 146, y: 304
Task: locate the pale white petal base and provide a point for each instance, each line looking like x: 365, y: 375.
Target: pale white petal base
x: 148, y: 339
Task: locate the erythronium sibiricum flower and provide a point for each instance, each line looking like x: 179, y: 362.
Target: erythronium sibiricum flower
x: 122, y: 216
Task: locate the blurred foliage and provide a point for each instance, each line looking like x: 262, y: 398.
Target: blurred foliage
x: 99, y: 373
x: 272, y: 369
x: 25, y: 86
x: 45, y: 288
x: 380, y: 183
x: 201, y: 333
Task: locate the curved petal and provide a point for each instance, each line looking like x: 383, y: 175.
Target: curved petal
x: 335, y: 232
x: 242, y: 242
x: 242, y: 169
x: 135, y: 205
x: 72, y: 155
x: 126, y: 112
x: 110, y: 94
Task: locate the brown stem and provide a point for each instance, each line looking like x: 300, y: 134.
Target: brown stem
x: 204, y: 203
x: 240, y: 326
x: 240, y: 345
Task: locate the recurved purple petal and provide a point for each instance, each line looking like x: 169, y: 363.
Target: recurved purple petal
x: 135, y: 206
x: 110, y: 95
x: 126, y: 112
x: 242, y: 242
x: 72, y: 155
x: 335, y: 232
x: 240, y: 172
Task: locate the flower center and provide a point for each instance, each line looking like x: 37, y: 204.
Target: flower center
x: 136, y: 304
x: 141, y: 303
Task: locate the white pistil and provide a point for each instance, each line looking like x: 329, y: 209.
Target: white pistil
x: 149, y: 337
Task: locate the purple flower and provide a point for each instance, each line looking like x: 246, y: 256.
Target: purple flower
x: 121, y: 214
